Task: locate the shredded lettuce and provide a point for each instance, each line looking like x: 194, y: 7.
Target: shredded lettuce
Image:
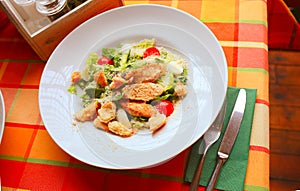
x: 146, y: 43
x: 183, y: 77
x: 137, y: 124
x: 72, y: 89
x: 167, y: 81
x: 82, y: 83
x: 92, y: 58
x: 109, y: 52
x: 167, y: 96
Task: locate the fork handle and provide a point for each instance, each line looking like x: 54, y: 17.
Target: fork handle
x: 197, y: 175
x: 214, y: 177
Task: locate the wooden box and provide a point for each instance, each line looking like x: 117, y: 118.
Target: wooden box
x: 44, y: 34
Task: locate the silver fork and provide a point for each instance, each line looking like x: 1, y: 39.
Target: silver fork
x: 209, y: 138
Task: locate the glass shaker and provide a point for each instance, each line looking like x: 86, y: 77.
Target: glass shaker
x: 31, y: 17
x: 52, y: 8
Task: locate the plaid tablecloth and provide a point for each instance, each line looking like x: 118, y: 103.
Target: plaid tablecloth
x: 29, y: 158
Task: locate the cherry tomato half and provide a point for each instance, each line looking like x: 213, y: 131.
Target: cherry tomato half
x: 104, y: 60
x: 152, y: 51
x: 165, y: 107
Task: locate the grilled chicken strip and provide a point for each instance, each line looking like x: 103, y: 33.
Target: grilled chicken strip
x: 147, y: 73
x: 120, y: 129
x: 180, y: 89
x: 138, y: 109
x: 86, y: 114
x: 142, y: 91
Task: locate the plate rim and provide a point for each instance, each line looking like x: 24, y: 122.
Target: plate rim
x: 2, y: 116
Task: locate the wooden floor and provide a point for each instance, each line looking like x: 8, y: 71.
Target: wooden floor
x: 284, y: 120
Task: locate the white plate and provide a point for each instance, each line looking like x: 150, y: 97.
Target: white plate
x: 173, y: 29
x: 2, y: 115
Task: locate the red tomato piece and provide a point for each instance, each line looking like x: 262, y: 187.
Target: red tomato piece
x: 165, y: 107
x: 152, y: 51
x: 104, y: 60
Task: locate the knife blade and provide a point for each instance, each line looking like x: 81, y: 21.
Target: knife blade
x: 2, y: 115
x: 229, y: 137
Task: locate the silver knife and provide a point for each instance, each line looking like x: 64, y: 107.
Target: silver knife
x: 2, y: 115
x: 229, y: 137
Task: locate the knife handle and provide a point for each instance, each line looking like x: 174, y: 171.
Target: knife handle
x: 214, y: 177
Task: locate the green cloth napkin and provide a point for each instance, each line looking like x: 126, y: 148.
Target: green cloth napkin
x: 233, y: 173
